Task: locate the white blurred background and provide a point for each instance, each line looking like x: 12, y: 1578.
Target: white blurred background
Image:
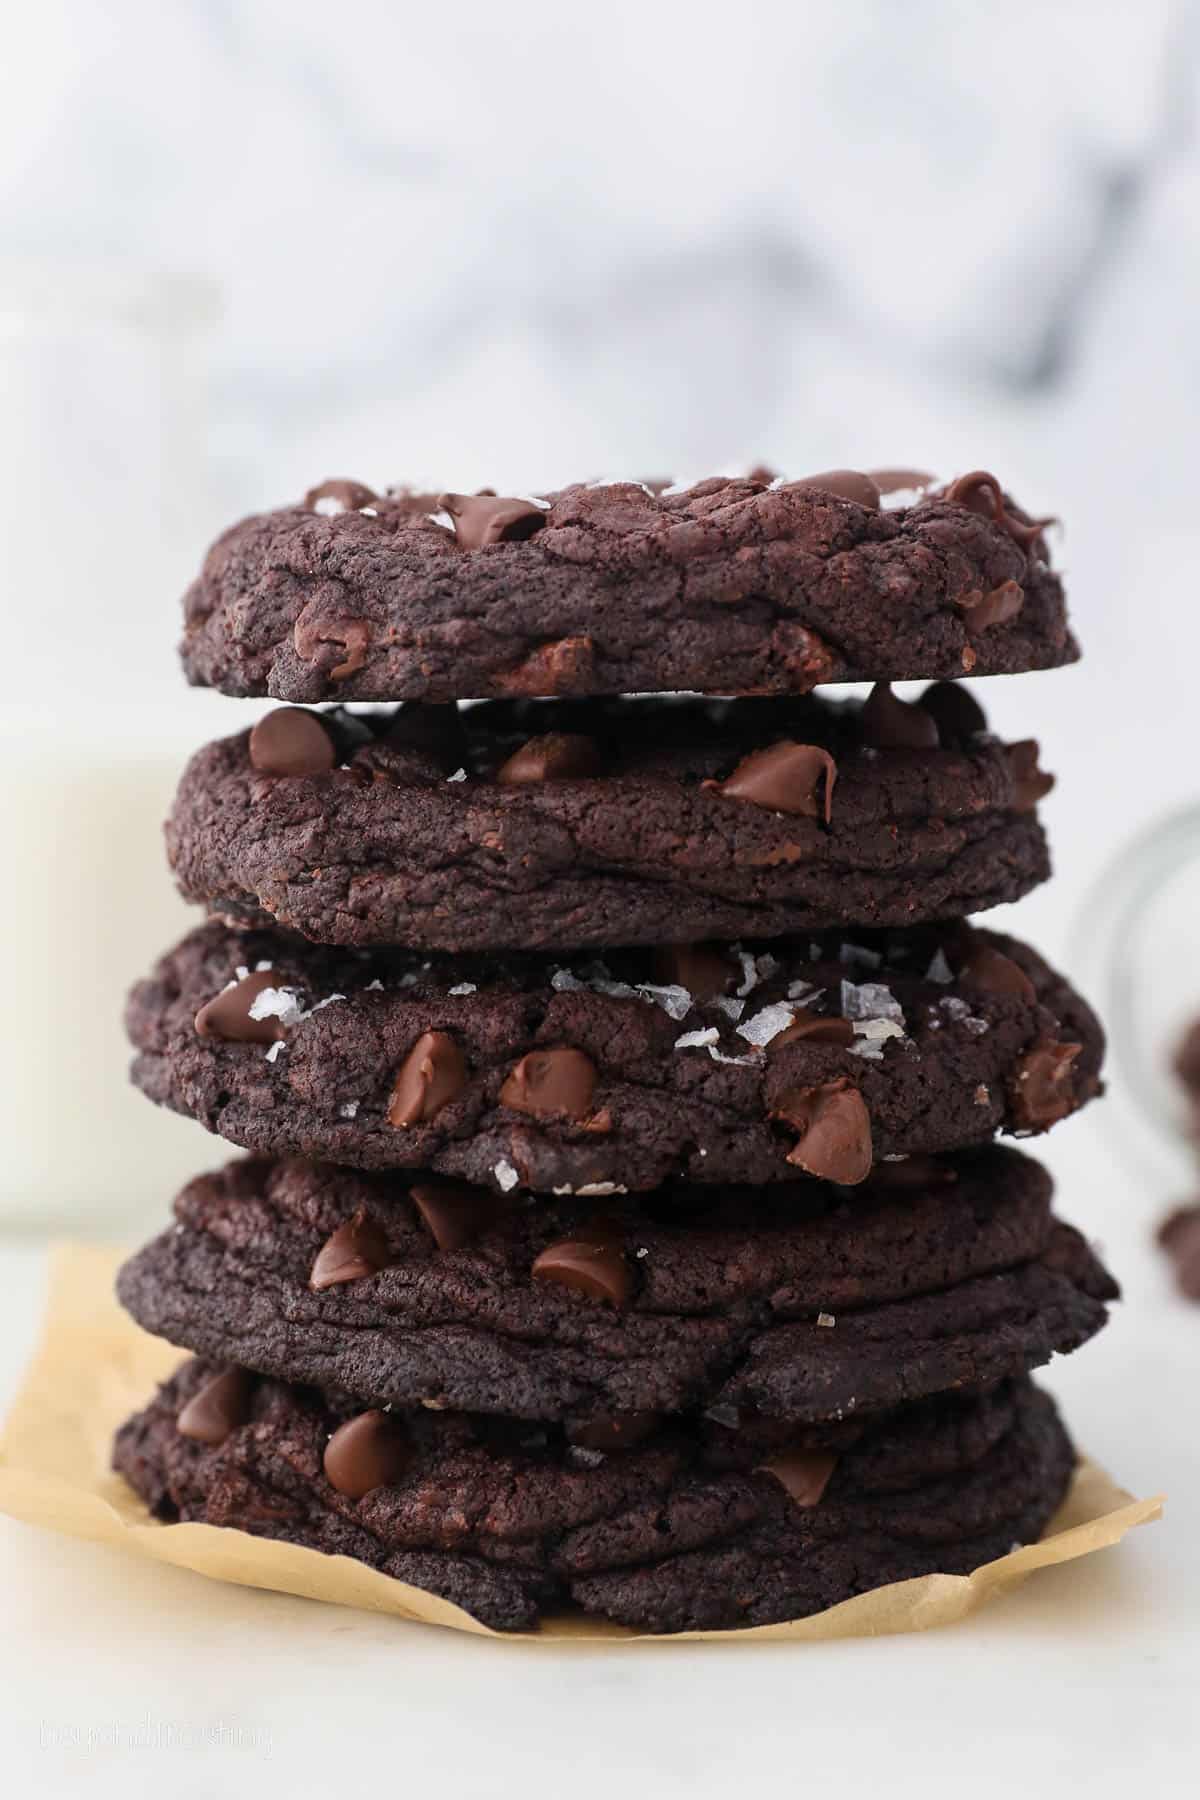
x: 247, y: 246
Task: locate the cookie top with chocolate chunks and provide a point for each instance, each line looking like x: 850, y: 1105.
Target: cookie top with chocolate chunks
x: 559, y: 824
x: 808, y: 1304
x: 746, y: 586
x: 707, y: 1063
x: 512, y: 1523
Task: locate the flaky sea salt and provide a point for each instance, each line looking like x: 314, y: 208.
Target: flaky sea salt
x: 464, y: 987
x: 280, y: 1003
x: 594, y: 1190
x: 741, y: 1062
x: 749, y: 971
x: 458, y: 775
x: 732, y: 1007
x: 348, y: 1109
x: 506, y: 1176
x: 563, y: 982
x: 826, y: 1319
x: 763, y: 1026
x: 960, y: 1012
x: 870, y: 1000
x: 277, y: 1049
x: 675, y: 1000
x: 939, y: 969
x: 870, y: 1035
x: 698, y: 1040
x: 374, y: 987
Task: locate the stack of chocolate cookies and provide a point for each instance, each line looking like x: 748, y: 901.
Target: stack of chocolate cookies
x: 623, y: 1226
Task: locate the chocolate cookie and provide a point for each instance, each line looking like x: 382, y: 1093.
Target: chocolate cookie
x: 552, y: 825
x: 729, y: 587
x: 694, y: 1527
x: 806, y: 1304
x: 702, y: 1062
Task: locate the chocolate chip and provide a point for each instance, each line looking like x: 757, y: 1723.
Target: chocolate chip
x: 550, y: 1084
x: 995, y: 607
x: 702, y: 969
x: 787, y: 778
x: 455, y: 1214
x: 1030, y: 784
x: 913, y: 1172
x: 365, y: 1453
x: 814, y: 1028
x: 290, y: 741
x: 956, y: 713
x: 356, y: 1249
x: 217, y: 1408
x: 846, y: 484
x: 892, y: 724
x: 432, y: 1075
x: 593, y: 1265
x: 558, y: 756
x: 835, y: 1131
x: 227, y: 1015
x: 996, y: 973
x: 481, y: 519
x: 346, y: 496
x: 1043, y: 1088
x: 804, y: 1474
x: 982, y: 493
x: 562, y: 666
x: 614, y: 1431
x: 352, y: 635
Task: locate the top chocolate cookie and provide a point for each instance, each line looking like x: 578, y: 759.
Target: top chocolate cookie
x: 730, y: 587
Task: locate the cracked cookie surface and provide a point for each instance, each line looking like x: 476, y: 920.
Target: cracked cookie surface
x: 548, y: 825
x: 728, y: 587
x: 689, y: 1529
x: 805, y: 1304
x: 810, y: 1058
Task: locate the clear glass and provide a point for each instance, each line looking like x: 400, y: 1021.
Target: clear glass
x: 1141, y: 943
x: 102, y: 483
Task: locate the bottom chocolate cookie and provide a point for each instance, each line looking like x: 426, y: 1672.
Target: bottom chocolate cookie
x: 690, y: 1526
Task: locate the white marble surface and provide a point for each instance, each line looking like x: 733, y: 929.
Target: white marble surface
x: 485, y: 246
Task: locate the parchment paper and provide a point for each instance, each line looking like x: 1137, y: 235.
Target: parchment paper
x: 94, y: 1367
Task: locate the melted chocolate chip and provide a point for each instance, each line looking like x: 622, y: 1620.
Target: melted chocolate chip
x: 594, y: 1265
x: 995, y: 607
x: 814, y: 1028
x: 996, y: 973
x: 353, y: 636
x: 227, y: 1015
x: 356, y: 1249
x: 834, y: 1129
x: 290, y: 741
x: 432, y: 1075
x: 804, y: 1474
x: 367, y: 1452
x: 845, y: 484
x: 217, y: 1408
x: 956, y: 713
x: 704, y: 970
x: 481, y: 519
x: 557, y: 1083
x: 892, y: 724
x: 558, y: 756
x: 982, y: 493
x: 455, y: 1214
x: 787, y: 778
x: 1043, y: 1088
x: 563, y: 666
x: 1030, y: 784
x: 342, y: 496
